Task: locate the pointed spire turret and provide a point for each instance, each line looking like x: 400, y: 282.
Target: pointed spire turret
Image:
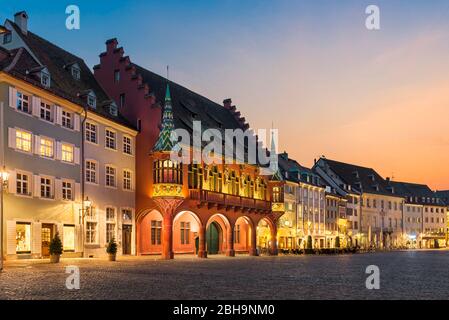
x: 274, y: 161
x: 165, y: 142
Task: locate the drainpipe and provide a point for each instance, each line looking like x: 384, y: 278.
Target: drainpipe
x: 83, y: 184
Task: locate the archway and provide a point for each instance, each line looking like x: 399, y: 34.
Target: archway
x: 186, y: 228
x: 243, y: 233
x: 218, y: 228
x: 266, y: 237
x: 150, y: 238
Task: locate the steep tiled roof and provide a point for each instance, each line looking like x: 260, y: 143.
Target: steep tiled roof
x: 291, y: 170
x: 360, y: 178
x: 414, y: 192
x: 444, y: 196
x: 57, y: 60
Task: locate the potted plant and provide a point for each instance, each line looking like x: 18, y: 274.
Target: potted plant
x: 309, y: 247
x: 112, y: 250
x: 55, y: 249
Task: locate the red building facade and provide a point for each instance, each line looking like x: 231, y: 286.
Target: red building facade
x: 182, y: 207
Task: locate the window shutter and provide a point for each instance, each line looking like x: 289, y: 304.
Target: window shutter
x: 58, y: 189
x: 58, y: 115
x: 36, y: 105
x: 12, y: 187
x: 58, y: 150
x: 77, y: 192
x: 12, y: 97
x: 11, y: 237
x: 36, y: 236
x: 12, y: 138
x: 76, y: 122
x: 37, y: 186
x: 37, y: 144
x: 77, y: 155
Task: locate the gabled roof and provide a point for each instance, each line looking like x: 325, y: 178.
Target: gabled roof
x: 360, y: 178
x: 414, y: 192
x: 291, y: 170
x: 443, y: 195
x: 56, y: 60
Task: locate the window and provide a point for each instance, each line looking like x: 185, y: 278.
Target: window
x: 7, y: 38
x: 91, y: 171
x: 237, y: 234
x: 113, y: 110
x: 69, y: 238
x: 185, y: 232
x: 110, y: 176
x: 110, y: 139
x: 46, y: 188
x: 23, y: 141
x: 91, y: 232
x: 23, y: 237
x: 67, y: 190
x: 23, y: 184
x: 127, y: 215
x: 47, y: 148
x: 127, y: 180
x: 122, y: 100
x: 76, y: 73
x: 45, y: 79
x: 23, y: 102
x: 127, y: 145
x: 156, y: 232
x: 116, y: 76
x: 110, y: 224
x: 91, y: 100
x: 91, y: 132
x: 66, y: 120
x: 67, y: 153
x: 46, y: 112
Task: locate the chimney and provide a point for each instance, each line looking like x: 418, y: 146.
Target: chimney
x: 21, y: 19
x: 227, y: 103
x: 388, y: 179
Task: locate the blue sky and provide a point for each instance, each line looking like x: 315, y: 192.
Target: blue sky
x: 331, y: 86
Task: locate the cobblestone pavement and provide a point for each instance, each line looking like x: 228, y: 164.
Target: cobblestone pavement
x: 404, y: 275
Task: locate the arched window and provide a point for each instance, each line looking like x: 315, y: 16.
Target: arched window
x: 277, y: 194
x: 195, y: 176
x: 234, y: 184
x: 167, y: 171
x: 215, y: 180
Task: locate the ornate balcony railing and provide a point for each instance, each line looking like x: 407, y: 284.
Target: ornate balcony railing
x: 167, y: 190
x: 221, y: 199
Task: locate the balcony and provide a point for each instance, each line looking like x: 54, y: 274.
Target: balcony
x: 227, y: 201
x: 169, y: 190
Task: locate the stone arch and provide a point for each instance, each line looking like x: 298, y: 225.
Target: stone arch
x: 223, y: 226
x: 187, y: 226
x: 266, y: 236
x: 149, y: 232
x: 243, y: 234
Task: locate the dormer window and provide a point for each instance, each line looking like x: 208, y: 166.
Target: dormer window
x: 113, y: 110
x: 45, y: 78
x: 7, y: 38
x: 92, y: 100
x: 76, y: 72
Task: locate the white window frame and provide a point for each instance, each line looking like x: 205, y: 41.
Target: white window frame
x: 65, y: 190
x: 45, y: 79
x: 20, y: 181
x: 46, y: 109
x: 21, y: 139
x: 20, y: 96
x: 42, y: 151
x: 76, y: 72
x: 65, y: 153
x: 92, y: 100
x: 67, y: 119
x: 89, y: 132
x: 91, y: 233
x: 88, y: 170
x: 127, y: 180
x: 51, y: 185
x: 109, y: 139
x: 108, y: 176
x: 127, y: 145
x: 131, y: 213
x: 111, y: 222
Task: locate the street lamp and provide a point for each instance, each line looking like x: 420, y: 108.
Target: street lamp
x: 3, y: 29
x: 3, y: 183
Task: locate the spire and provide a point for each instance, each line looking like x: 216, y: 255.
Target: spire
x: 274, y: 160
x: 165, y: 142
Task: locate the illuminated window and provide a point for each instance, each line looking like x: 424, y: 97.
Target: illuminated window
x: 127, y: 182
x: 127, y: 215
x: 127, y: 145
x: 46, y: 112
x: 91, y: 232
x: 67, y: 190
x: 110, y: 176
x: 91, y: 132
x: 110, y: 139
x: 23, y: 237
x: 46, y: 188
x: 69, y: 238
x: 237, y: 234
x: 47, y: 148
x: 23, y: 102
x: 23, y: 140
x: 156, y: 232
x: 110, y: 224
x: 166, y: 171
x: 195, y: 176
x: 91, y: 171
x: 185, y: 232
x: 67, y: 153
x: 23, y: 184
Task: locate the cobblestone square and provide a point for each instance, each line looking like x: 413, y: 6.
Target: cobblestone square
x: 404, y: 275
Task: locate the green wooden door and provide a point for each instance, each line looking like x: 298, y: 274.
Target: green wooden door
x: 213, y: 242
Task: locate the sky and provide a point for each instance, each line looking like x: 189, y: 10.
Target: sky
x: 331, y: 86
